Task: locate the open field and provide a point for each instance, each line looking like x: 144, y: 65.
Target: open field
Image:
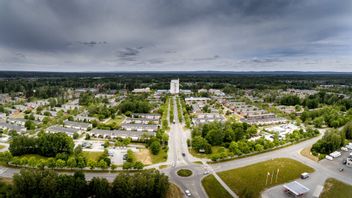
x: 161, y: 157
x: 144, y: 156
x: 215, y: 149
x: 174, y: 192
x: 251, y: 180
x: 214, y: 188
x: 336, y: 189
x: 90, y: 155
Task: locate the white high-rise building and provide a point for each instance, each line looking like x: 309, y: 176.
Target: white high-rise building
x: 175, y: 86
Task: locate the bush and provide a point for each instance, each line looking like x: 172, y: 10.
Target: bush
x: 184, y: 172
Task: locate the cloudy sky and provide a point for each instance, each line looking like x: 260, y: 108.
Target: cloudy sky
x: 176, y: 35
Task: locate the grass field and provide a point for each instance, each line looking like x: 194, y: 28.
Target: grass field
x: 184, y: 172
x: 251, y: 180
x: 90, y: 155
x: 2, y: 146
x: 336, y: 189
x: 214, y: 188
x: 161, y: 157
x: 215, y: 149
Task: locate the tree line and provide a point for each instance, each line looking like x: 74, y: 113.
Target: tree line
x: 29, y: 183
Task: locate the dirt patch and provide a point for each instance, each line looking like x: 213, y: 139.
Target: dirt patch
x: 143, y: 155
x: 306, y: 153
x: 174, y: 192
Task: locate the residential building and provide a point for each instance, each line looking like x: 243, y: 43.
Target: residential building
x: 175, y: 86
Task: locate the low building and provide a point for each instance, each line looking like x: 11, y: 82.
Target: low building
x: 60, y: 129
x: 141, y: 90
x: 12, y: 127
x: 146, y: 115
x: 140, y: 127
x: 77, y: 125
x: 81, y: 118
x: 141, y: 121
x: 134, y: 135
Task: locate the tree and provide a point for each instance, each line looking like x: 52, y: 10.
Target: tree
x: 138, y: 165
x: 51, y: 162
x: 99, y: 188
x: 102, y: 164
x: 347, y: 130
x: 113, y: 166
x: 155, y: 147
x: 75, y: 135
x: 92, y: 164
x: 60, y: 163
x: 29, y: 124
x: 71, y: 162
x: 6, y: 157
x: 32, y: 162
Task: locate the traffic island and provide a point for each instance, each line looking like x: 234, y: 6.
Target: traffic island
x: 184, y: 172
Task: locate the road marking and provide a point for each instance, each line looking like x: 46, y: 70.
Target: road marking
x: 3, y: 170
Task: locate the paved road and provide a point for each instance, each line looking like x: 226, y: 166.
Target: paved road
x: 177, y: 146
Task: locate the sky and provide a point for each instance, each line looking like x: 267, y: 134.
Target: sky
x: 176, y: 35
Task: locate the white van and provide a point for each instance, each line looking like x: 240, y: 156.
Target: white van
x: 328, y: 157
x: 344, y: 149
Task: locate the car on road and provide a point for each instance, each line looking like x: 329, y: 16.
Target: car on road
x: 206, y: 172
x: 183, y: 154
x: 188, y: 193
x: 174, y: 122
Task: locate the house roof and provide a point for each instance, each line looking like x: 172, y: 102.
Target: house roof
x: 77, y: 124
x: 296, y: 188
x: 120, y: 133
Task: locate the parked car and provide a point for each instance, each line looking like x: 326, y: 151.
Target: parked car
x: 340, y: 169
x: 183, y: 154
x: 344, y: 149
x: 328, y: 157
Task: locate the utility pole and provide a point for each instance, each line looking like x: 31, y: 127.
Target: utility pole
x: 277, y: 175
x: 266, y: 181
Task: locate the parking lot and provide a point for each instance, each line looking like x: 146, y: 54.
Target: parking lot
x: 116, y: 153
x: 336, y: 163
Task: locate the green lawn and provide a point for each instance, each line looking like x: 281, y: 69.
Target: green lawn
x: 2, y: 146
x: 251, y: 180
x: 161, y: 157
x: 184, y: 172
x: 215, y: 149
x: 214, y: 188
x: 336, y: 189
x: 116, y: 122
x: 90, y: 155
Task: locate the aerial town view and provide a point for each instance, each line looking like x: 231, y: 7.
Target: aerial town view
x: 176, y: 98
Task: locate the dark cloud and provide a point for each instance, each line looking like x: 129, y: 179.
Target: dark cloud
x: 186, y: 34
